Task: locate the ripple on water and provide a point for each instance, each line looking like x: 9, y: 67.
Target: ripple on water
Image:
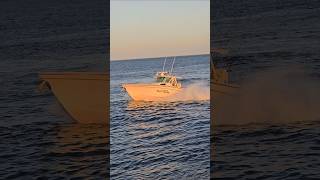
x: 160, y: 140
x: 267, y: 151
x: 54, y: 151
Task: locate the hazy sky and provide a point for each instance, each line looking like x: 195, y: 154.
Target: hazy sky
x: 156, y: 28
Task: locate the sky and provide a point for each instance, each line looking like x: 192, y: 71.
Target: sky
x: 159, y: 28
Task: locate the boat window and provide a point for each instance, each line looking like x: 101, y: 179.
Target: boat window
x: 164, y: 79
x: 161, y: 79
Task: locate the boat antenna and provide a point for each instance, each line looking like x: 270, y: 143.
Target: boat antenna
x: 164, y: 64
x: 172, y: 65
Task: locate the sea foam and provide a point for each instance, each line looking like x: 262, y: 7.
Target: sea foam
x: 197, y: 91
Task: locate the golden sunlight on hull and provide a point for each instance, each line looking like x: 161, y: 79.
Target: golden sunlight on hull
x: 83, y: 95
x: 149, y: 92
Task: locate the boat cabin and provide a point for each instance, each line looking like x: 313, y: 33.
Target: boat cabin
x: 168, y: 80
x: 165, y: 78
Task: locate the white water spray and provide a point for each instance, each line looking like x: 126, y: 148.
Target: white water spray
x: 194, y: 92
x: 275, y: 96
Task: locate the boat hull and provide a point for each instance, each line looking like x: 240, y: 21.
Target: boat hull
x: 218, y: 89
x: 147, y: 92
x: 83, y: 95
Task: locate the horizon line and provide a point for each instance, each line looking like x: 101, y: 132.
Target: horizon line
x: 156, y: 57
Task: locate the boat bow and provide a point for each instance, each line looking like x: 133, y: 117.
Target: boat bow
x: 84, y: 95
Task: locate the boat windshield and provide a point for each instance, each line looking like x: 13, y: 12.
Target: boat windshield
x: 161, y: 79
x: 164, y: 79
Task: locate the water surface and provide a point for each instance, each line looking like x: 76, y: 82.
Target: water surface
x: 38, y: 139
x: 157, y: 140
x: 263, y: 37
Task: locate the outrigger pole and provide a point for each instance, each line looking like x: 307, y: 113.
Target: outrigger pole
x: 172, y: 65
x: 164, y: 64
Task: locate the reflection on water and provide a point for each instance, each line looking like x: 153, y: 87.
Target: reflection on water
x: 54, y: 151
x: 86, y: 147
x: 136, y: 106
x: 159, y: 140
x: 156, y: 140
x: 37, y: 141
x: 151, y: 128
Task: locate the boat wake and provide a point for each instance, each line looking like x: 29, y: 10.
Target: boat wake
x: 198, y: 91
x: 270, y: 97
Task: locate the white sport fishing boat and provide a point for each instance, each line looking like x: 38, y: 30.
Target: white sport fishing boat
x: 166, y: 85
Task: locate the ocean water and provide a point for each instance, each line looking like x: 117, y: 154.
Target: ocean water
x: 270, y: 130
x: 160, y: 140
x: 37, y: 138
